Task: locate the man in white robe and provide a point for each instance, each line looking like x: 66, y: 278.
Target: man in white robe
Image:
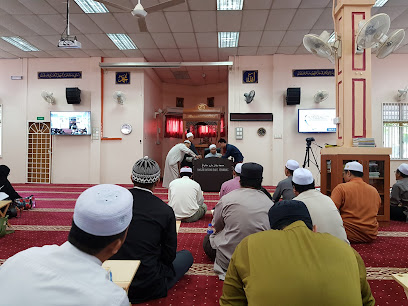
x: 175, y: 156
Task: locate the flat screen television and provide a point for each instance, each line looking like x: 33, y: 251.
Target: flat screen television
x: 70, y: 123
x: 318, y: 120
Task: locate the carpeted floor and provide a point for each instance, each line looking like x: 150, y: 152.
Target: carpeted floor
x: 50, y: 222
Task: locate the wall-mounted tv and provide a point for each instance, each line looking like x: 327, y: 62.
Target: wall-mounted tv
x: 317, y: 120
x: 70, y: 123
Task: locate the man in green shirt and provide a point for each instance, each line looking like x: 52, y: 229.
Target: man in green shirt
x: 293, y: 265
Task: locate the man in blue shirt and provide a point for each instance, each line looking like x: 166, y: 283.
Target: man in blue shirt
x: 231, y: 151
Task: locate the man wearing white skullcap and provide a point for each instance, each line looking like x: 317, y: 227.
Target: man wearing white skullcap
x: 186, y: 197
x: 213, y: 152
x: 173, y: 158
x: 358, y: 203
x: 321, y: 208
x: 188, y: 160
x: 233, y: 183
x: 152, y: 238
x: 399, y: 194
x: 284, y: 189
x: 73, y: 273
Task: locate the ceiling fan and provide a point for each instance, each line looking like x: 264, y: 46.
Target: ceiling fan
x: 141, y: 12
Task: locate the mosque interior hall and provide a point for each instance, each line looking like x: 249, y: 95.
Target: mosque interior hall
x: 89, y: 87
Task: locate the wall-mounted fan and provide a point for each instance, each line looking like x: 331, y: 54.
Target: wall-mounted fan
x: 48, y: 97
x: 141, y: 12
x: 119, y: 97
x: 249, y: 96
x: 402, y: 94
x: 372, y: 33
x: 320, y: 96
x: 320, y: 46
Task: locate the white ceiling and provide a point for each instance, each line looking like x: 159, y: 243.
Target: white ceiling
x: 186, y: 32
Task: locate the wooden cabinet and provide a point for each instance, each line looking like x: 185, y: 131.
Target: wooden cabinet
x: 376, y: 173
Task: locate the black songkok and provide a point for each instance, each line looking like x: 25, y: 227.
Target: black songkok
x: 284, y: 213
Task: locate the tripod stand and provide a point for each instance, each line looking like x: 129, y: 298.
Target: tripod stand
x: 307, y: 156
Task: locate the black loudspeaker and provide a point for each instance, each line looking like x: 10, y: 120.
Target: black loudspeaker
x: 293, y: 96
x: 73, y: 95
x: 210, y: 102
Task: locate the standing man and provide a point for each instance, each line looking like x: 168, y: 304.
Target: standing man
x: 322, y: 209
x: 399, y: 194
x: 72, y: 274
x: 186, y: 197
x: 188, y: 160
x: 233, y: 183
x: 152, y: 238
x: 242, y: 212
x: 285, y: 189
x: 358, y: 203
x: 231, y: 151
x: 213, y: 152
x: 292, y: 265
x: 173, y: 158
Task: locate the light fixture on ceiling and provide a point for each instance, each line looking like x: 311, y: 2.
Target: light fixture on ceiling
x: 380, y: 3
x: 230, y: 5
x: 122, y: 41
x: 162, y: 64
x: 91, y: 7
x: 228, y: 39
x: 20, y: 43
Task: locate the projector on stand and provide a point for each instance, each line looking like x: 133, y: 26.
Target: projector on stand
x: 69, y: 42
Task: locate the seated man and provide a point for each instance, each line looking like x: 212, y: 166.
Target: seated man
x: 231, y: 150
x: 358, y: 203
x: 292, y: 265
x: 5, y: 185
x: 284, y: 189
x: 72, y: 274
x: 152, y: 238
x: 242, y: 212
x: 186, y: 197
x: 213, y: 152
x: 323, y: 211
x: 233, y: 183
x: 399, y: 194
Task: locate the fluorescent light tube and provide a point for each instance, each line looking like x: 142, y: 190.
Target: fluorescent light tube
x: 92, y: 7
x: 20, y: 43
x: 122, y: 41
x: 228, y: 39
x: 380, y: 3
x: 230, y: 5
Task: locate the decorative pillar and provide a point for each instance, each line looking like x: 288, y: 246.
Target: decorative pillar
x: 353, y: 73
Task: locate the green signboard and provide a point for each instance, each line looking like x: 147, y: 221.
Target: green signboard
x: 40, y: 118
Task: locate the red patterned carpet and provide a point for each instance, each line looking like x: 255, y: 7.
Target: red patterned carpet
x: 50, y: 221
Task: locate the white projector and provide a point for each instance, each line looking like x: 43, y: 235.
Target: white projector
x: 69, y: 43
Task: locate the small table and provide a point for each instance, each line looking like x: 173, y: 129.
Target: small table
x: 402, y: 279
x: 123, y: 271
x: 4, y: 205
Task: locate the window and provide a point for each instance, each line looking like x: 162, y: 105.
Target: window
x: 395, y: 129
x: 174, y: 127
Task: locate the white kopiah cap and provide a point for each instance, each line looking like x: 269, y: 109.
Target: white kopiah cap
x: 104, y: 210
x: 353, y: 166
x: 187, y: 141
x: 302, y: 176
x: 189, y: 135
x: 186, y: 170
x: 238, y: 168
x: 292, y: 164
x: 403, y: 168
x: 212, y: 146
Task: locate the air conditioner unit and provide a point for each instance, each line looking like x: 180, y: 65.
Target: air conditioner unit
x: 174, y: 110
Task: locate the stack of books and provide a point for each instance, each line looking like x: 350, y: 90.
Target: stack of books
x: 363, y: 142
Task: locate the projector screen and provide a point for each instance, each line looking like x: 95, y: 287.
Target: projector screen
x: 318, y: 120
x: 70, y: 123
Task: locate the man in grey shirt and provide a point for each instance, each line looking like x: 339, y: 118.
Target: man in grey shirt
x: 399, y: 194
x: 285, y: 188
x: 241, y: 212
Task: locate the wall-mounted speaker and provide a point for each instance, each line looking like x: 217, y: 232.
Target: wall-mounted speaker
x: 293, y: 96
x: 73, y: 95
x: 210, y: 102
